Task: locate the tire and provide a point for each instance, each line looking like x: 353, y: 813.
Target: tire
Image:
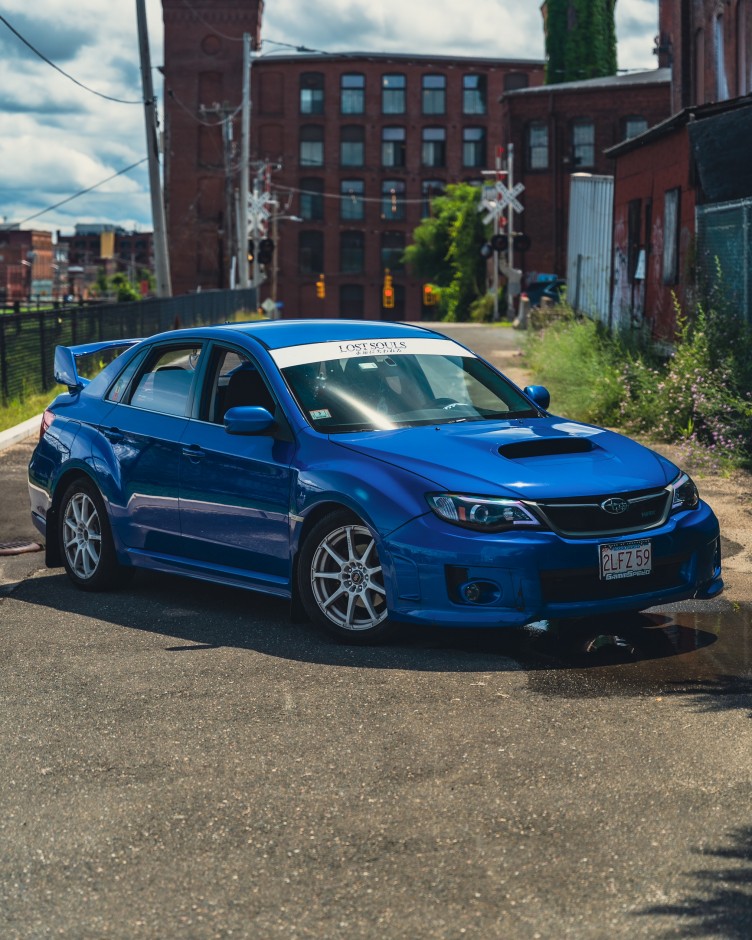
x: 85, y: 539
x: 341, y: 582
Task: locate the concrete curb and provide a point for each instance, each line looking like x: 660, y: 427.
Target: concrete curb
x: 20, y: 432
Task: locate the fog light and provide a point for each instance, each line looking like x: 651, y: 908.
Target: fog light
x: 480, y: 592
x: 472, y: 592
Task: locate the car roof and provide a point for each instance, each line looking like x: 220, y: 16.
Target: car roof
x: 276, y: 334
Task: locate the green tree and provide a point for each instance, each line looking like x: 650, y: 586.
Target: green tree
x: 446, y: 250
x: 580, y: 39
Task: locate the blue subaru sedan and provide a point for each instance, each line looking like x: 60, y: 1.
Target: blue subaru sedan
x: 375, y: 474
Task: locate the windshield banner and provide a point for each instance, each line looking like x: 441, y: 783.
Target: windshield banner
x: 319, y: 352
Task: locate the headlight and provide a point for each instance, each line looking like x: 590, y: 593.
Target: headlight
x: 685, y: 494
x: 479, y: 512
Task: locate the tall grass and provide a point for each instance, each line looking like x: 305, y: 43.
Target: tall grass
x: 701, y: 396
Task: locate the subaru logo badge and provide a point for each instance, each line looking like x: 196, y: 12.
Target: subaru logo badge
x: 615, y: 505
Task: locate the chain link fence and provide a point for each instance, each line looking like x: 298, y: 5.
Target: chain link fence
x: 724, y: 254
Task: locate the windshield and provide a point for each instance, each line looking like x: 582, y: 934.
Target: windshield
x: 359, y: 392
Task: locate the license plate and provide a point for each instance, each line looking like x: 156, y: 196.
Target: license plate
x: 625, y: 560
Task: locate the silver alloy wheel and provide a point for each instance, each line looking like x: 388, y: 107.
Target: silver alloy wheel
x: 82, y: 536
x: 347, y: 580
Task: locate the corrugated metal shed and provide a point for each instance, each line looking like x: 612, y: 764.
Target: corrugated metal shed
x: 591, y: 211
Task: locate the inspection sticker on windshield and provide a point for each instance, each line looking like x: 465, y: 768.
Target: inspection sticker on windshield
x: 320, y: 414
x: 625, y: 560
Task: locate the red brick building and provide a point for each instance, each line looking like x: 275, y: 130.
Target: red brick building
x: 567, y: 128
x: 353, y: 146
x: 360, y: 144
x: 203, y: 78
x: 683, y: 190
x: 27, y: 269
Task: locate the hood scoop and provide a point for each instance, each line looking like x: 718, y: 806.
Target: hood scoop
x: 546, y: 447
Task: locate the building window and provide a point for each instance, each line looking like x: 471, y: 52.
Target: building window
x: 393, y: 146
x: 634, y: 232
x: 311, y: 93
x: 392, y: 249
x: 537, y: 146
x: 312, y: 198
x: 352, y: 145
x: 353, y: 93
x: 434, y: 146
x: 474, y: 94
x: 311, y: 252
x: 474, y: 147
x: 515, y: 80
x: 352, y: 302
x: 634, y: 126
x: 393, y: 94
x: 351, y: 200
x: 671, y: 204
x: 434, y: 94
x: 311, y: 145
x: 393, y: 200
x: 583, y: 144
x: 430, y: 189
x: 352, y: 252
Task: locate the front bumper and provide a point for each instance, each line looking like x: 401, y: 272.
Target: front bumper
x: 523, y: 577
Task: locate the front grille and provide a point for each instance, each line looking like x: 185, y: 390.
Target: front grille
x: 564, y: 587
x: 585, y: 516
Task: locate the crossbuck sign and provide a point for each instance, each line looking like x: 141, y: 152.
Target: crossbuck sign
x: 501, y: 199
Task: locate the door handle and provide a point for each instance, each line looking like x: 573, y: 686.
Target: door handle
x: 193, y: 452
x: 113, y: 435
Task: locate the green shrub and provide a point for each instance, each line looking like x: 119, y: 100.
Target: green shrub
x: 701, y: 396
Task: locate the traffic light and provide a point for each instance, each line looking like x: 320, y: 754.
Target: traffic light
x: 321, y: 287
x: 387, y: 293
x: 499, y: 242
x: 521, y: 241
x: 430, y: 295
x: 251, y: 250
x: 266, y: 251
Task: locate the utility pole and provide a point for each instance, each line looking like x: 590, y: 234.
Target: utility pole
x: 161, y: 255
x: 245, y: 153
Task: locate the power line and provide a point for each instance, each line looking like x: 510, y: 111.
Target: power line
x: 81, y: 192
x: 58, y: 69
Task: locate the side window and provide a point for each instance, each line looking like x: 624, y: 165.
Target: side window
x: 121, y: 383
x: 233, y: 380
x: 165, y: 384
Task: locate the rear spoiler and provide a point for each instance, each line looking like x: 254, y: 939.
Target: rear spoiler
x: 66, y: 372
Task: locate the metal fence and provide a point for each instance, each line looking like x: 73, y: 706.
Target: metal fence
x: 28, y: 340
x: 724, y: 253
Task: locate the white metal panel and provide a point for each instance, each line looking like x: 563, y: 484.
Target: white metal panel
x: 591, y: 209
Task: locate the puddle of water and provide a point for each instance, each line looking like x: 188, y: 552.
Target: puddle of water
x: 649, y: 654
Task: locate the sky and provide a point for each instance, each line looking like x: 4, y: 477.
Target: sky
x: 76, y: 123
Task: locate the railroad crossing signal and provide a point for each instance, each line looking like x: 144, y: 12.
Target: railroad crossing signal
x: 498, y: 198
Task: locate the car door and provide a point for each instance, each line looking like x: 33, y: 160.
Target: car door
x: 140, y: 442
x: 235, y: 489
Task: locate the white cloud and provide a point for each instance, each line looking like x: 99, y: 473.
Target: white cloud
x: 57, y: 138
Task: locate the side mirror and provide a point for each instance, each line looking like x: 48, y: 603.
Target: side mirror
x: 540, y: 395
x: 248, y: 419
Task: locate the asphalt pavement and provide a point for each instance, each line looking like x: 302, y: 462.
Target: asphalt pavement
x: 180, y: 760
